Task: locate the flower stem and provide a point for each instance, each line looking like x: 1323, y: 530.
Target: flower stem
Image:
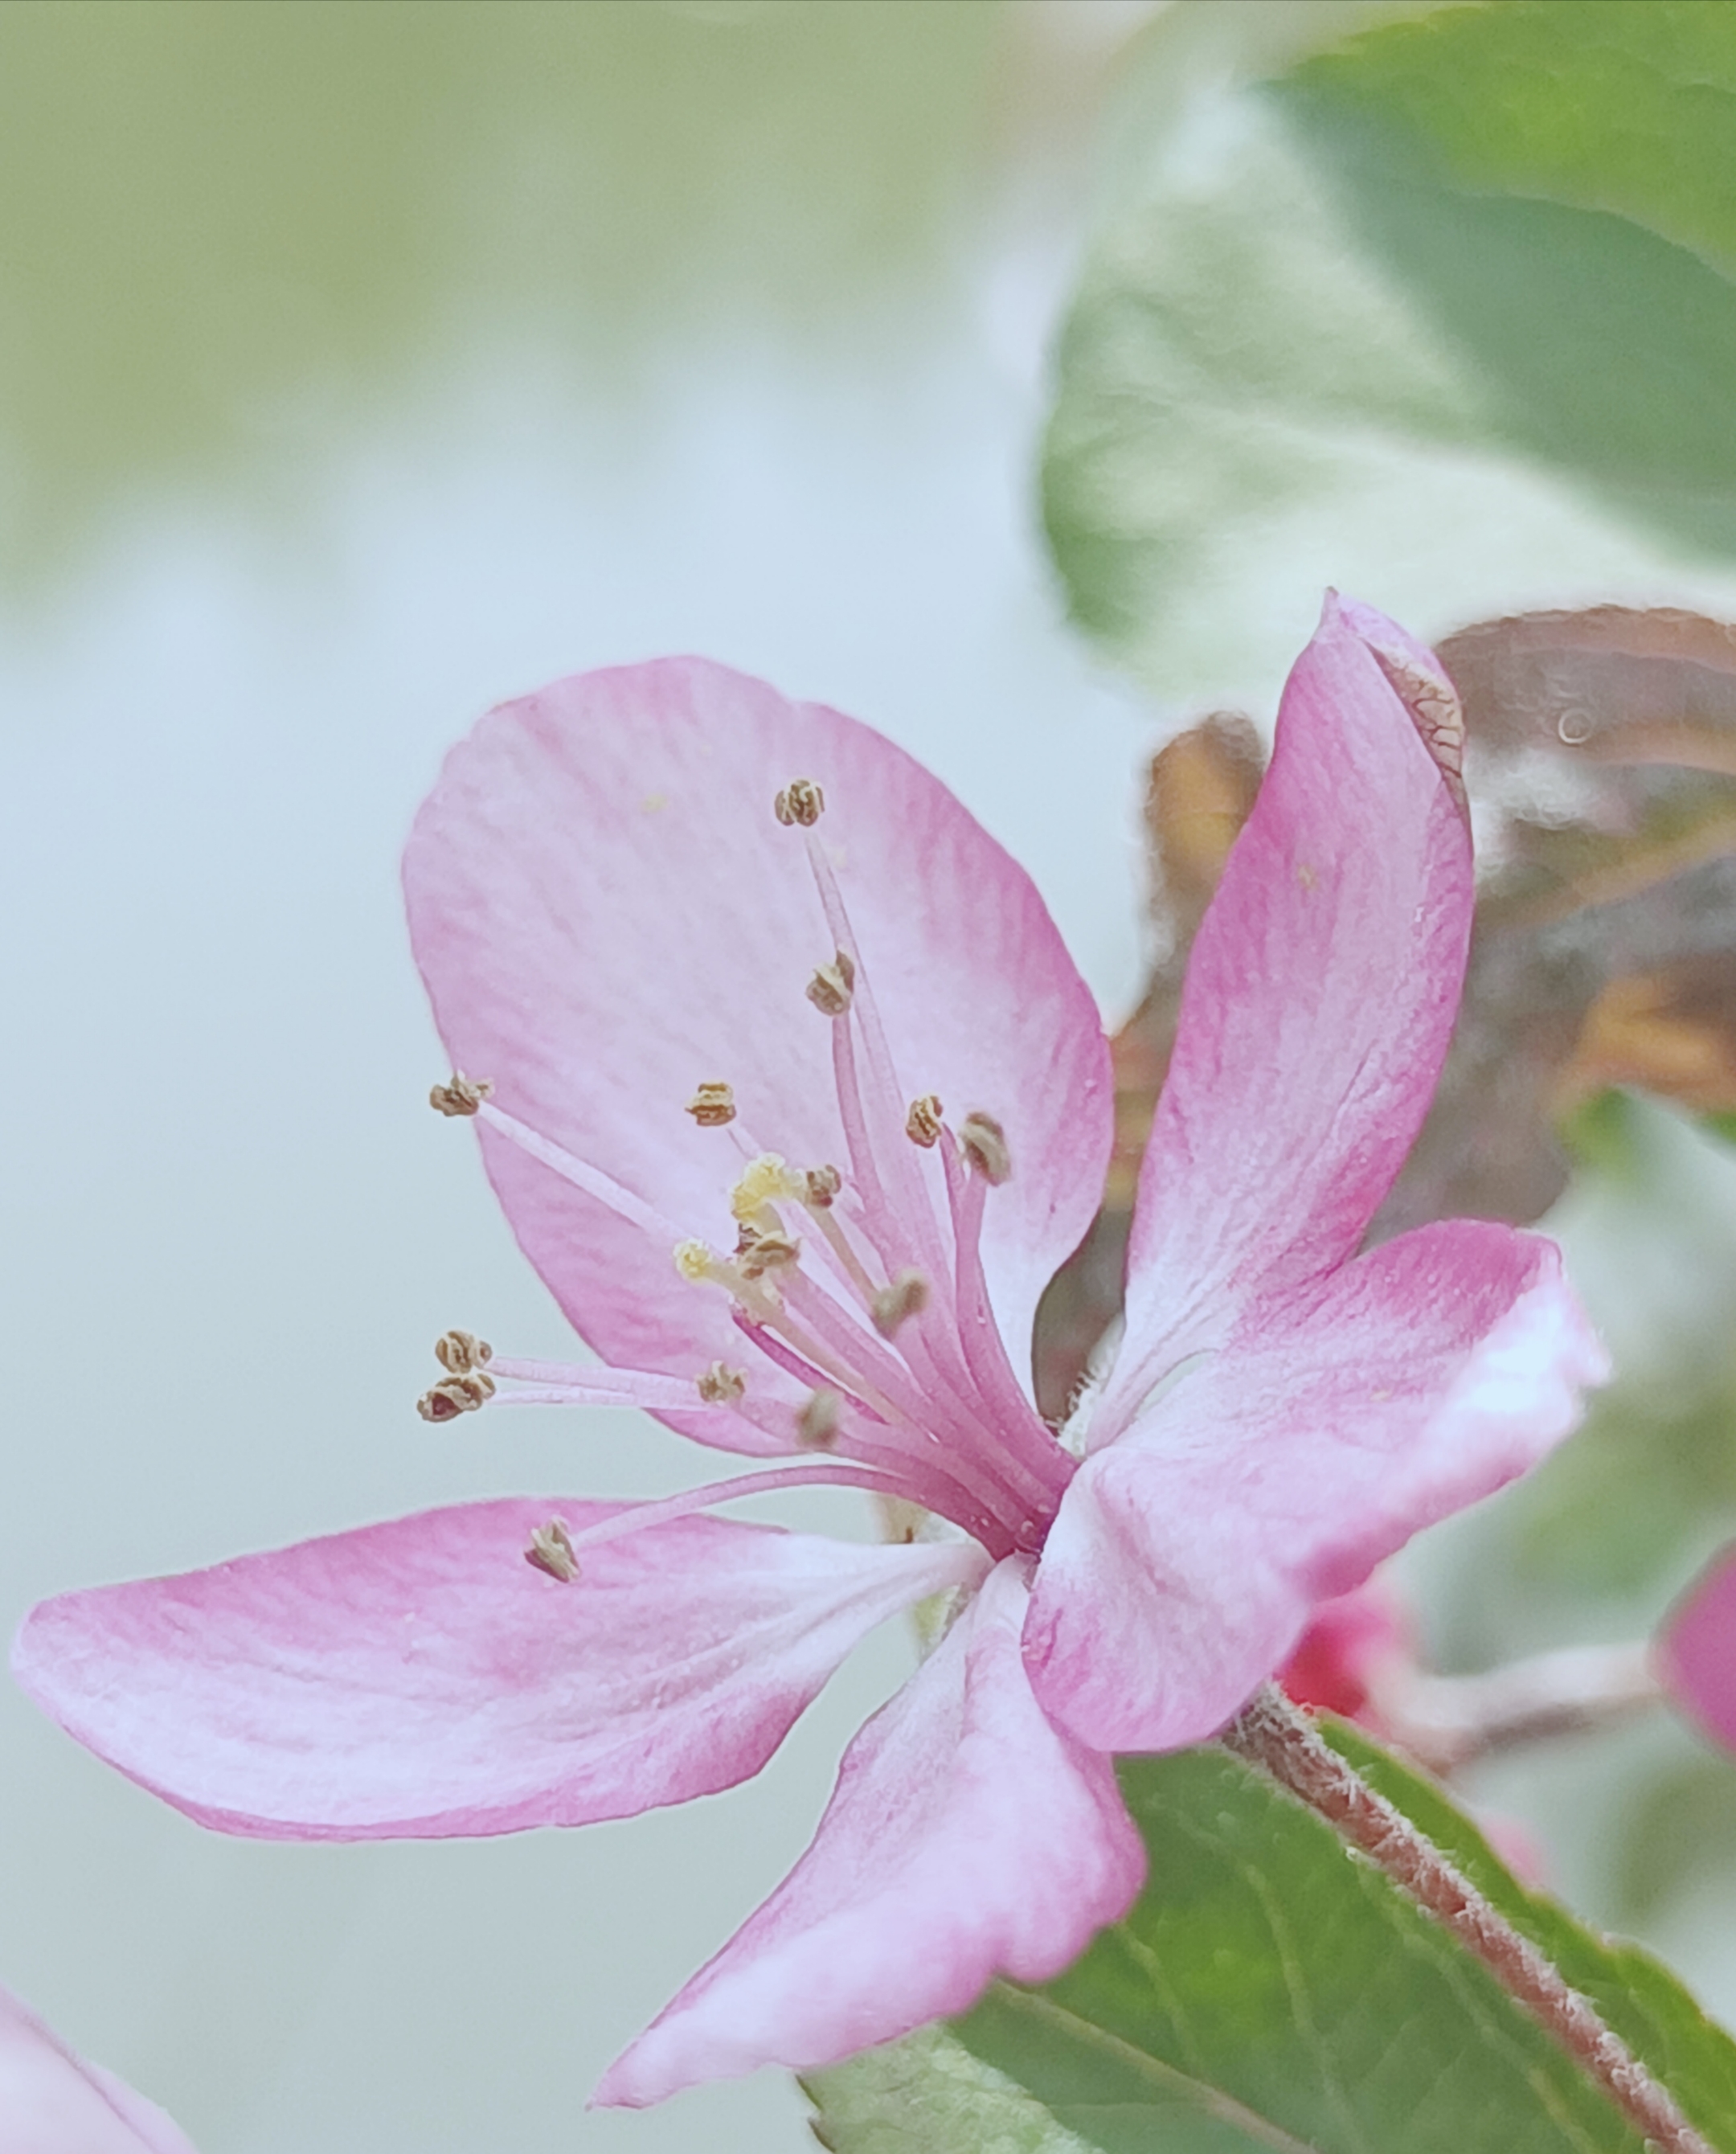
x: 1269, y: 1733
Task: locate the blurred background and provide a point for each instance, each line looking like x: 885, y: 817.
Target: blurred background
x: 361, y: 366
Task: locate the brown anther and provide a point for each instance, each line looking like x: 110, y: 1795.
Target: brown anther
x: 817, y: 1421
x: 758, y: 1254
x: 906, y: 1296
x: 721, y: 1385
x: 461, y: 1095
x: 983, y: 1142
x: 922, y: 1123
x: 830, y: 988
x: 823, y: 1185
x: 801, y: 801
x: 461, y: 1351
x: 713, y: 1106
x: 453, y: 1396
x: 550, y: 1549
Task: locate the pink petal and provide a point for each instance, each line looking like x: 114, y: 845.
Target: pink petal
x: 420, y: 1680
x: 53, y: 2102
x: 967, y: 1836
x: 607, y: 913
x: 1319, y: 997
x: 1697, y: 1654
x: 1188, y: 1557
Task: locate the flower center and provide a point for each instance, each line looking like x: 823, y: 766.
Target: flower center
x: 870, y: 1352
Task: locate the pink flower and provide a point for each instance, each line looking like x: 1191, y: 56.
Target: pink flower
x: 818, y: 1263
x: 1696, y: 1655
x: 1354, y: 1646
x: 52, y: 2102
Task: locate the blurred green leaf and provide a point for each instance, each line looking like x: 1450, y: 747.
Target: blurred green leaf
x: 1677, y: 1828
x: 1269, y: 1989
x: 1392, y: 298
x: 1627, y: 105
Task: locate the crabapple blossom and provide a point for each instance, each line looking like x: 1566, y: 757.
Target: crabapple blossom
x: 794, y: 1099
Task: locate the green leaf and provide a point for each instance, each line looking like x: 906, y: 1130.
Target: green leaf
x: 1627, y: 105
x: 1271, y: 1990
x: 1393, y: 321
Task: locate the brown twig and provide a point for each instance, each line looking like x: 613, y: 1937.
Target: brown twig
x: 1270, y: 1733
x: 1446, y: 1723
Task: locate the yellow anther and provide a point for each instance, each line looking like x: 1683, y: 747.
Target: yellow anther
x: 764, y: 1181
x: 817, y: 1421
x: 907, y: 1296
x: 819, y: 1186
x: 550, y: 1549
x: 801, y: 801
x: 830, y: 988
x: 461, y: 1095
x: 721, y: 1385
x: 453, y: 1396
x: 713, y: 1106
x: 758, y: 1254
x: 922, y: 1123
x: 983, y: 1143
x: 694, y: 1261
x: 460, y: 1352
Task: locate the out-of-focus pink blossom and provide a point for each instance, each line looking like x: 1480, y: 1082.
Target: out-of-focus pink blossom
x: 1696, y: 1653
x: 668, y: 888
x: 53, y: 2102
x: 1351, y: 1646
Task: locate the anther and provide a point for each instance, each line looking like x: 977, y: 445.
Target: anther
x: 694, y: 1261
x: 460, y: 1352
x: 758, y: 1254
x: 820, y: 1185
x: 922, y: 1123
x: 763, y: 1181
x: 461, y: 1095
x: 817, y: 1421
x: 906, y: 1296
x: 830, y: 988
x: 721, y: 1385
x: 550, y: 1549
x: 801, y: 801
x: 453, y: 1396
x: 713, y: 1106
x: 983, y: 1142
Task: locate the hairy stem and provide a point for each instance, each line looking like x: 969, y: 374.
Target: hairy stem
x: 1270, y: 1733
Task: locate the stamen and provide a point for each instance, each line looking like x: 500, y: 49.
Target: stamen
x: 722, y: 1385
x: 712, y: 1105
x: 984, y: 1144
x: 551, y: 1550
x: 817, y: 1421
x: 767, y: 1180
x: 820, y: 1185
x: 805, y: 1473
x: 695, y: 1262
x: 460, y: 1352
x: 832, y: 1234
x: 460, y: 1096
x: 922, y: 1123
x: 800, y: 802
x: 1016, y: 1420
x: 758, y: 1254
x: 905, y: 1297
x: 831, y: 988
x: 453, y: 1396
x: 591, y: 1179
